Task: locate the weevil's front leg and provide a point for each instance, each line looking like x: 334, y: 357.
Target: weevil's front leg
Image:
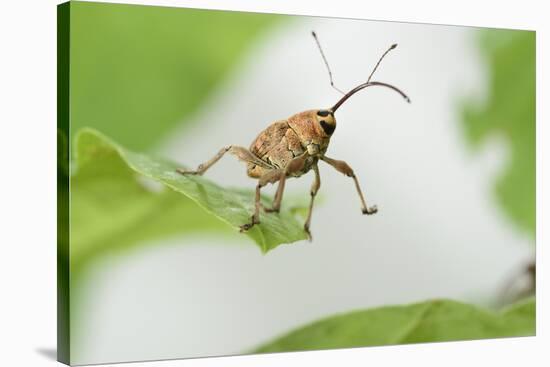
x: 295, y: 165
x: 241, y: 153
x: 314, y: 189
x: 343, y: 167
x: 203, y: 167
x: 271, y: 176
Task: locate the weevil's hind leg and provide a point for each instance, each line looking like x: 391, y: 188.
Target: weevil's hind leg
x: 314, y: 189
x: 343, y: 167
x: 295, y: 165
x: 241, y: 153
x: 270, y: 176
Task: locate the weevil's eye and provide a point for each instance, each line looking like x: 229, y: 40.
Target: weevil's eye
x: 325, y: 118
x: 328, y: 127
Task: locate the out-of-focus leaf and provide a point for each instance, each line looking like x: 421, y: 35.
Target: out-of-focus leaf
x: 114, y: 206
x: 510, y: 112
x: 430, y: 321
x: 62, y: 153
x: 112, y: 210
x: 137, y: 71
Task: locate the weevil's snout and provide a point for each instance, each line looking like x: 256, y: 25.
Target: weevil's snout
x: 325, y: 118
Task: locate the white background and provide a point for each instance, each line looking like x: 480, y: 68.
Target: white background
x: 27, y: 314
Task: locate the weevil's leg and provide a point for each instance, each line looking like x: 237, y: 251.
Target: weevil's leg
x: 295, y: 165
x: 278, y: 194
x: 343, y: 167
x: 203, y: 167
x: 314, y: 189
x: 271, y: 176
x: 241, y: 153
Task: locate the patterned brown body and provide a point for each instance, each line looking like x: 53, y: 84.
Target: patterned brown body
x: 284, y: 140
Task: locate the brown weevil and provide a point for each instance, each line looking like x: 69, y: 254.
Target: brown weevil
x: 293, y: 147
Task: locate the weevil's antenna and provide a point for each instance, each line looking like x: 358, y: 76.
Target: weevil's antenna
x: 380, y: 60
x: 366, y: 85
x: 326, y: 62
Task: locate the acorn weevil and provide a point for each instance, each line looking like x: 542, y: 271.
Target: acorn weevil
x: 293, y: 147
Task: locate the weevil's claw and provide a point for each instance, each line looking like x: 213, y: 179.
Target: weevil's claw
x: 309, y: 237
x: 199, y: 171
x: 245, y: 227
x: 186, y: 172
x: 271, y: 210
x: 372, y: 210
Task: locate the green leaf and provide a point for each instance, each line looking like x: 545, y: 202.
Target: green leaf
x: 138, y: 71
x: 114, y: 206
x: 62, y: 153
x: 431, y: 321
x: 509, y: 112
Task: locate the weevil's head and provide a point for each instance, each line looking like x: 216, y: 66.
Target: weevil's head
x: 326, y: 121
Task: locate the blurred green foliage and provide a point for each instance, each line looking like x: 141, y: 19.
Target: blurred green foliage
x: 509, y: 111
x: 114, y: 205
x: 112, y: 211
x: 138, y: 71
x: 431, y: 321
x: 63, y: 247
